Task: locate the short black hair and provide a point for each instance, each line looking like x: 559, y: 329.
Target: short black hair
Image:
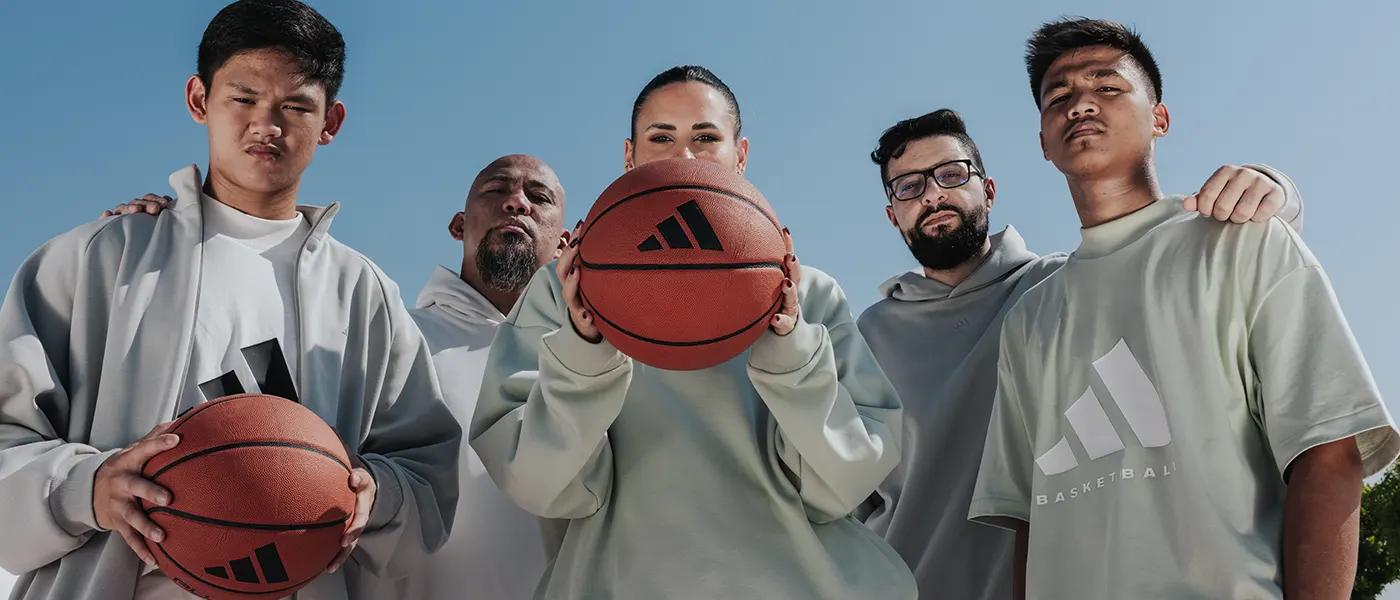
x: 944, y: 121
x: 1057, y: 38
x: 286, y: 25
x: 683, y: 74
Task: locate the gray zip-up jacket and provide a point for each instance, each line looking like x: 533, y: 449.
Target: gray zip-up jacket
x: 95, y: 336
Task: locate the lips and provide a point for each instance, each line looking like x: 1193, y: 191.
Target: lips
x: 939, y: 218
x: 1082, y: 129
x: 264, y: 151
x: 513, y: 226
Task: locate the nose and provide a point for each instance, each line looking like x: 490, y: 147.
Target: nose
x: 686, y: 152
x: 517, y: 204
x: 1082, y: 106
x: 266, y: 125
x: 933, y: 194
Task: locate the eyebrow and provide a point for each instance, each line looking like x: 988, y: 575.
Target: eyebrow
x: 705, y: 125
x: 662, y: 126
x: 245, y: 89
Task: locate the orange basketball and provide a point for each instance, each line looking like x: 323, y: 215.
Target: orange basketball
x: 681, y: 264
x: 260, y: 497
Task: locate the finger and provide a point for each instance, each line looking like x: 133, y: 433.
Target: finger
x: 162, y: 200
x: 151, y: 208
x: 1250, y: 204
x: 142, y: 524
x: 571, y: 276
x: 127, y: 209
x: 363, y: 485
x: 1270, y: 205
x: 1189, y: 204
x: 105, y: 214
x: 341, y: 557
x: 145, y: 489
x: 1230, y: 196
x: 137, y: 543
x: 783, y: 324
x: 789, y: 297
x: 143, y: 451
x: 794, y: 270
x: 1205, y: 199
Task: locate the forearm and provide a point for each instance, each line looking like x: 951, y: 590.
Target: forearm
x: 835, y: 426
x: 1322, y: 515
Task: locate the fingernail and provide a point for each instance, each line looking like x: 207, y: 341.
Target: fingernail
x: 789, y: 284
x: 163, y: 499
x: 584, y: 315
x: 578, y: 224
x: 785, y: 231
x: 157, y: 536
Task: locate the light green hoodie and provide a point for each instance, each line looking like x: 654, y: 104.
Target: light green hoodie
x: 732, y: 482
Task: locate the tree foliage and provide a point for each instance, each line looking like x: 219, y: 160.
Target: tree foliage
x: 1378, y: 562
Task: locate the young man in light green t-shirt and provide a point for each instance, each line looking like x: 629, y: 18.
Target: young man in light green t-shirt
x: 1182, y: 411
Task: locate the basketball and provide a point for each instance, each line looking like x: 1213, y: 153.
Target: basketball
x: 681, y: 264
x: 260, y: 497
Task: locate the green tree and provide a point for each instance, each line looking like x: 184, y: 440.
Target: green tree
x: 1378, y: 562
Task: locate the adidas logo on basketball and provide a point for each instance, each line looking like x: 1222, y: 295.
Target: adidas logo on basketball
x: 1141, y: 406
x: 675, y: 235
x: 268, y: 561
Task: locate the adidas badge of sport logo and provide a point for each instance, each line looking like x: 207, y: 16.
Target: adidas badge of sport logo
x: 268, y: 560
x: 1136, y: 398
x: 674, y: 235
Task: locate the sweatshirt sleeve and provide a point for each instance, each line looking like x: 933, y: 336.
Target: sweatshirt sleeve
x: 46, y: 480
x: 547, y: 400
x: 837, y: 415
x: 411, y: 446
x: 1292, y: 210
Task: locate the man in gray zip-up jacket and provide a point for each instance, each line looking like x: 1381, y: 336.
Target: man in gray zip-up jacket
x: 110, y: 330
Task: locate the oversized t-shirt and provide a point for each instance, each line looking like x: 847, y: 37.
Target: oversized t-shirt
x: 245, y: 337
x: 1151, y: 395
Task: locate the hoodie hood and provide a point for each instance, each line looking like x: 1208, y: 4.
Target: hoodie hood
x: 1008, y: 254
x: 459, y: 301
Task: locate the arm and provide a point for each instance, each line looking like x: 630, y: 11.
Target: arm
x: 836, y: 414
x: 547, y: 399
x: 1321, y: 526
x: 46, y: 481
x: 410, y: 448
x: 1018, y: 569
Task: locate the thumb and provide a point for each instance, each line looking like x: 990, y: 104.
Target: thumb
x: 1190, y: 203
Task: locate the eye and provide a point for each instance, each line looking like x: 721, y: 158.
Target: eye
x: 541, y: 199
x: 243, y: 100
x: 660, y: 139
x: 1108, y: 88
x: 296, y: 109
x: 1057, y: 100
x: 707, y: 138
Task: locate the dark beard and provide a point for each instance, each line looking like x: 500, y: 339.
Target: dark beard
x: 952, y: 248
x: 508, y: 264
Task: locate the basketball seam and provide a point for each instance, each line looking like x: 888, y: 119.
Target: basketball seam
x: 303, y: 582
x: 767, y: 264
x: 238, y: 525
x: 234, y: 446
x: 667, y: 188
x: 678, y: 344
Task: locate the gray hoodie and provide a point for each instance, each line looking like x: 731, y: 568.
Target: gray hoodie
x: 938, y: 344
x: 95, y: 337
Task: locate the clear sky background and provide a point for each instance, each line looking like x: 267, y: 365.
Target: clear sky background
x: 93, y: 115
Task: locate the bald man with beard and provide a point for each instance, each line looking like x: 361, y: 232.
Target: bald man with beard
x: 512, y: 225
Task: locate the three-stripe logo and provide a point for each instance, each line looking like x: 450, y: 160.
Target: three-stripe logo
x: 269, y: 561
x: 1136, y: 398
x: 675, y: 236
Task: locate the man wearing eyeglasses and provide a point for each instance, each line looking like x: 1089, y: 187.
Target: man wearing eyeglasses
x: 936, y: 332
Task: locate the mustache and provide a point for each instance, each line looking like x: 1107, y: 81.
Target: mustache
x: 523, y: 224
x: 929, y: 212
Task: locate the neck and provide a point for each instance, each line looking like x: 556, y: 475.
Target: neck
x: 279, y: 205
x: 955, y: 276
x: 503, y: 301
x: 1100, y: 200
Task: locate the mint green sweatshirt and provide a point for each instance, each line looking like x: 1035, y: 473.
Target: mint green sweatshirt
x: 732, y: 482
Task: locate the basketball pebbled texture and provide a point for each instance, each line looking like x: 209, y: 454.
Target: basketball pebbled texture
x: 682, y: 264
x: 260, y: 497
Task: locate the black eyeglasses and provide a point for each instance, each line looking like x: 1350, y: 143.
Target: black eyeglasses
x: 948, y: 175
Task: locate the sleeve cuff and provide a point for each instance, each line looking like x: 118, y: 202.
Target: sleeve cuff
x: 998, y: 512
x: 581, y: 356
x: 71, y: 501
x: 388, y: 497
x: 774, y: 353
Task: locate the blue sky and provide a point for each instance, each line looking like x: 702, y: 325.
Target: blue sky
x: 94, y: 115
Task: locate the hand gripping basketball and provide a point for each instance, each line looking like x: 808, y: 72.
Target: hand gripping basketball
x: 568, y: 271
x: 365, y: 488
x: 118, y: 483
x: 785, y: 320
